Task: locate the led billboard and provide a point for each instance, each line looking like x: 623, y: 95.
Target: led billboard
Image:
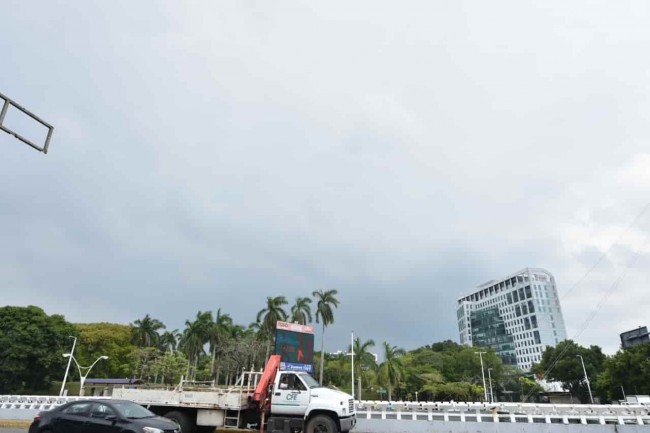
x: 295, y: 345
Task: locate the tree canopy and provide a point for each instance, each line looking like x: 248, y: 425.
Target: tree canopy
x: 213, y: 347
x: 31, y: 348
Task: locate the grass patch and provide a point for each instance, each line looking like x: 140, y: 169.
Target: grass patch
x: 19, y: 423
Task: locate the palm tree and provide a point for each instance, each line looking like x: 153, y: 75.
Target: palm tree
x: 169, y: 340
x: 269, y: 316
x: 194, y: 337
x: 391, y: 370
x: 324, y: 315
x: 218, y: 333
x: 261, y: 334
x: 145, y: 332
x: 363, y: 360
x: 301, y: 311
x: 273, y: 312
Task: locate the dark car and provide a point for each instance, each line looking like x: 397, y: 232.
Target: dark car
x: 101, y: 416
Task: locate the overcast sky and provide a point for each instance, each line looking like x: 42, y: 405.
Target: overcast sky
x: 210, y: 154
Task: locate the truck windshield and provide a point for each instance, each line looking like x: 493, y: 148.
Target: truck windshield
x: 310, y: 381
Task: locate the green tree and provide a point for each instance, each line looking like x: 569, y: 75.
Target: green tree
x: 272, y: 313
x: 194, y: 337
x: 143, y: 360
x: 31, y: 348
x: 269, y: 316
x: 324, y: 315
x: 562, y: 363
x: 457, y: 391
x: 391, y: 371
x: 243, y: 352
x: 363, y: 361
x: 169, y: 368
x: 337, y: 372
x: 301, y: 311
x: 169, y: 341
x: 628, y: 370
x: 145, y: 331
x: 105, y: 339
x: 218, y: 335
x: 530, y: 389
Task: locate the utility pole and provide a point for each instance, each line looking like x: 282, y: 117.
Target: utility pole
x: 352, y: 353
x: 480, y: 355
x: 591, y: 397
x: 490, y: 379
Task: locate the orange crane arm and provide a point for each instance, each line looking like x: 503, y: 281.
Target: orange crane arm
x: 267, y: 378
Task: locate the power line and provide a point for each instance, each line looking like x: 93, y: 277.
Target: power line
x: 607, y: 251
x: 609, y: 291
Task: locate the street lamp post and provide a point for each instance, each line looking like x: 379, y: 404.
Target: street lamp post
x: 416, y: 396
x: 67, y: 369
x: 480, y: 355
x: 490, y: 379
x: 591, y: 397
x: 79, y: 367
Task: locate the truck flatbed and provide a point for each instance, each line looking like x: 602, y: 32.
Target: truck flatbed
x: 199, y: 398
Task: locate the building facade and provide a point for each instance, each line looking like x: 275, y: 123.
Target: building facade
x: 518, y: 316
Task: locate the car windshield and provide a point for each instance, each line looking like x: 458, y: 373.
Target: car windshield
x: 132, y: 410
x: 310, y: 381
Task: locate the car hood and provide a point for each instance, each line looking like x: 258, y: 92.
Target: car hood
x: 330, y: 394
x: 156, y: 422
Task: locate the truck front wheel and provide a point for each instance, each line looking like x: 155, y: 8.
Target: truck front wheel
x: 321, y: 424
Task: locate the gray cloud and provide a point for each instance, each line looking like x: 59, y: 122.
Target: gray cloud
x: 211, y: 155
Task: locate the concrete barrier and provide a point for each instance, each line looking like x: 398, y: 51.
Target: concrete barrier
x: 410, y: 426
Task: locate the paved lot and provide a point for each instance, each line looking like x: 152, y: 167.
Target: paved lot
x: 12, y: 430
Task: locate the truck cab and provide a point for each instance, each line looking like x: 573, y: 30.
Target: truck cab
x: 296, y: 397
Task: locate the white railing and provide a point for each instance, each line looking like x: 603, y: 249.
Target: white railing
x: 504, y: 412
x: 36, y: 402
x: 425, y: 411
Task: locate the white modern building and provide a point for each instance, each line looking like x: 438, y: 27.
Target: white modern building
x: 518, y: 316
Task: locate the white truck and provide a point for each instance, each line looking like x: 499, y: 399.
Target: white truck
x: 275, y: 400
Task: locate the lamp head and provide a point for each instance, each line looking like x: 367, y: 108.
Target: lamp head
x: 66, y: 355
x: 103, y: 357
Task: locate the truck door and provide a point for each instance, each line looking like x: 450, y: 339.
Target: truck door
x: 290, y: 396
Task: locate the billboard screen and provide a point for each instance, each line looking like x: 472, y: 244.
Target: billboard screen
x: 295, y: 345
x: 634, y: 337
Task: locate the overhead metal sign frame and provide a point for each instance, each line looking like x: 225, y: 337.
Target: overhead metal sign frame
x: 5, y: 107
